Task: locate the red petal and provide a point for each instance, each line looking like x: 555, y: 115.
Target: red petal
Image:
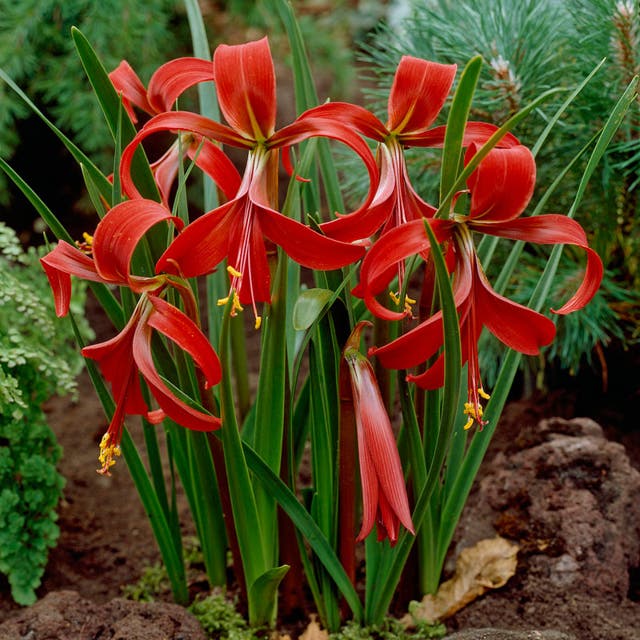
x: 60, y: 264
x: 174, y: 324
x: 307, y: 247
x: 216, y: 164
x: 248, y: 255
x: 502, y: 185
x: 553, y: 229
x: 174, y: 77
x: 127, y: 83
x: 478, y: 132
x: 420, y: 89
x: 513, y: 324
x: 246, y: 84
x: 176, y: 409
x: 203, y: 244
x: 115, y: 360
x: 351, y: 115
x: 119, y: 233
x: 174, y: 121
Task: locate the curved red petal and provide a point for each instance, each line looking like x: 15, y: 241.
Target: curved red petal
x: 165, y: 171
x: 553, y: 229
x: 174, y: 408
x: 419, y: 91
x: 305, y: 246
x: 176, y: 326
x: 478, y: 132
x: 351, y: 115
x: 173, y: 78
x: 127, y: 83
x: 502, y: 185
x: 118, y: 234
x: 432, y: 378
x: 174, y: 121
x: 515, y: 325
x: 216, y: 164
x: 115, y: 361
x: 202, y: 245
x: 63, y: 261
x: 246, y: 85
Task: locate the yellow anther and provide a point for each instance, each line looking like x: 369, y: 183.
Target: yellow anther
x: 223, y: 301
x: 258, y: 322
x: 483, y: 394
x: 407, y: 301
x: 467, y: 426
x: 235, y: 305
x: 86, y: 245
x: 107, y: 454
x: 234, y: 272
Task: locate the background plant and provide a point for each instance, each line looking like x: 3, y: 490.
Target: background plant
x: 37, y: 360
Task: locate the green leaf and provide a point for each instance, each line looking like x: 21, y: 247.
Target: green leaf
x: 111, y: 105
x: 456, y: 124
x: 263, y: 595
x: 308, y: 307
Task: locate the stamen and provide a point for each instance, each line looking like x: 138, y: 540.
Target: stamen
x: 107, y: 454
x: 235, y: 304
x: 86, y: 245
x: 407, y: 302
x: 234, y: 272
x: 258, y: 322
x: 483, y: 394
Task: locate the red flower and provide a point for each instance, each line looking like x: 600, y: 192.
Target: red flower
x: 166, y: 85
x: 129, y: 353
x: 419, y: 91
x: 245, y: 81
x: 384, y: 494
x: 500, y: 190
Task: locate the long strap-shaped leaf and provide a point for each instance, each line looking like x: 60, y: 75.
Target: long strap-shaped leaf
x: 111, y: 104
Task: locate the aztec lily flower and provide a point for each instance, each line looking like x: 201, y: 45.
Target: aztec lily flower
x: 121, y: 358
x: 500, y: 189
x: 419, y: 91
x: 165, y: 86
x: 384, y: 494
x: 245, y: 81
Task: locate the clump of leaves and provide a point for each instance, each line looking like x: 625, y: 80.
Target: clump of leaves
x: 220, y: 619
x: 390, y: 629
x: 37, y: 360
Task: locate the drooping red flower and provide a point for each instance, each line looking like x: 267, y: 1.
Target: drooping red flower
x: 418, y: 93
x: 129, y: 354
x: 500, y: 189
x: 384, y: 494
x: 245, y: 81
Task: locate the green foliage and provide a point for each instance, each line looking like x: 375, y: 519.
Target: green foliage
x: 219, y: 618
x: 36, y: 361
x: 390, y: 629
x: 36, y: 50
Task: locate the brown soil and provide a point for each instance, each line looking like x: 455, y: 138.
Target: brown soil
x: 106, y: 542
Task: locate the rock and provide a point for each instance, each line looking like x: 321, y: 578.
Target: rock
x: 499, y: 634
x: 65, y: 615
x: 572, y: 502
